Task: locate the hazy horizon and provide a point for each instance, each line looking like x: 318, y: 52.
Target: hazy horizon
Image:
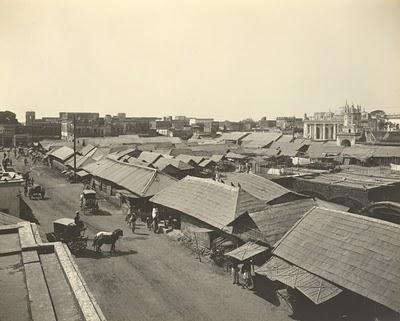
x: 220, y: 59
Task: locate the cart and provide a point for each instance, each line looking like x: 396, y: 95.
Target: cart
x: 89, y: 203
x: 66, y: 231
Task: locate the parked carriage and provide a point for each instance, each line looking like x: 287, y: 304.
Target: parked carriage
x: 36, y: 191
x: 66, y: 231
x: 89, y: 203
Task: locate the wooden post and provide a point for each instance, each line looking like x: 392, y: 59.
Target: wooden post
x: 197, y: 246
x: 74, y: 148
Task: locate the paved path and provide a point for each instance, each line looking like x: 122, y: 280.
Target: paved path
x: 151, y: 277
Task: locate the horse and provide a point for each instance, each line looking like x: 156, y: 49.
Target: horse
x: 107, y: 238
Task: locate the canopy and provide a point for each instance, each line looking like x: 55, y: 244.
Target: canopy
x: 247, y: 251
x: 313, y: 287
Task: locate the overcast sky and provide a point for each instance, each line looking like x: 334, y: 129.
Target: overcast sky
x: 226, y: 59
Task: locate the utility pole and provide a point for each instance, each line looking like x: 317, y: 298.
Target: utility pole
x: 74, y: 148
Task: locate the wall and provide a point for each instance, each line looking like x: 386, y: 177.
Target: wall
x: 10, y: 194
x: 354, y: 198
x: 189, y: 223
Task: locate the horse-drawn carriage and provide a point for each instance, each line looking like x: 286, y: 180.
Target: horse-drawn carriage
x: 36, y: 191
x: 89, y: 203
x: 66, y: 231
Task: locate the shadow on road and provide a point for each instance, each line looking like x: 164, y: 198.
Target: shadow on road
x: 91, y: 254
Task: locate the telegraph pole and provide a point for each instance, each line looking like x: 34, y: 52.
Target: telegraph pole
x: 74, y: 148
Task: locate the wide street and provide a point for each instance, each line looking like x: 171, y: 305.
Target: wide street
x: 151, y: 277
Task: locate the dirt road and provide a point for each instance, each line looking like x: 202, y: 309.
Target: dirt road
x: 151, y: 277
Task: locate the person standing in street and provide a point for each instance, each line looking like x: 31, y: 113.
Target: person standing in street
x: 235, y: 272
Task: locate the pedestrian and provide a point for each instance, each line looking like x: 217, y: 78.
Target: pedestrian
x: 235, y: 272
x: 155, y: 217
x: 246, y: 274
x: 148, y: 222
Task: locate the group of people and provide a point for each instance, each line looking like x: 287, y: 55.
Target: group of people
x: 246, y: 168
x: 245, y: 271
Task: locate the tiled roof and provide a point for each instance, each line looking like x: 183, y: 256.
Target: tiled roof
x: 141, y: 180
x: 352, y: 251
x: 212, y: 202
x: 260, y: 187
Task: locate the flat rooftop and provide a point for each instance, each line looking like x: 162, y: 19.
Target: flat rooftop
x: 40, y: 281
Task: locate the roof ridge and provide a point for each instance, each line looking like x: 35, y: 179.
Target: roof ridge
x: 212, y: 182
x: 292, y: 228
x: 363, y: 217
x: 132, y: 164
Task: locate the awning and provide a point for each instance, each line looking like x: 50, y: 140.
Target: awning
x: 313, y: 287
x: 127, y: 194
x: 82, y: 173
x: 201, y: 230
x: 247, y: 251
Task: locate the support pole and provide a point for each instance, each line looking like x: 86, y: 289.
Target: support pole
x: 74, y: 148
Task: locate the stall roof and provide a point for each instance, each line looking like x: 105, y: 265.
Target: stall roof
x: 82, y: 173
x: 352, y: 251
x: 62, y: 153
x: 87, y: 149
x: 207, y: 162
x: 190, y: 158
x: 235, y: 156
x: 141, y: 180
x: 246, y: 251
x: 354, y: 180
x: 80, y: 161
x: 322, y: 150
x: 161, y: 163
x: 217, y: 158
x: 232, y: 136
x: 260, y: 187
x: 149, y: 157
x: 212, y: 202
x: 274, y: 221
x: 315, y: 288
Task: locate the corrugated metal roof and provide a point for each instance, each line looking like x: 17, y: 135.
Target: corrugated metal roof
x: 274, y: 221
x: 149, y: 157
x: 260, y: 187
x: 62, y: 153
x: 246, y: 251
x: 315, y: 288
x: 355, y: 252
x: 141, y: 180
x: 211, y: 202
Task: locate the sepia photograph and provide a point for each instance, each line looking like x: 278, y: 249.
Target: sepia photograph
x: 199, y: 160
